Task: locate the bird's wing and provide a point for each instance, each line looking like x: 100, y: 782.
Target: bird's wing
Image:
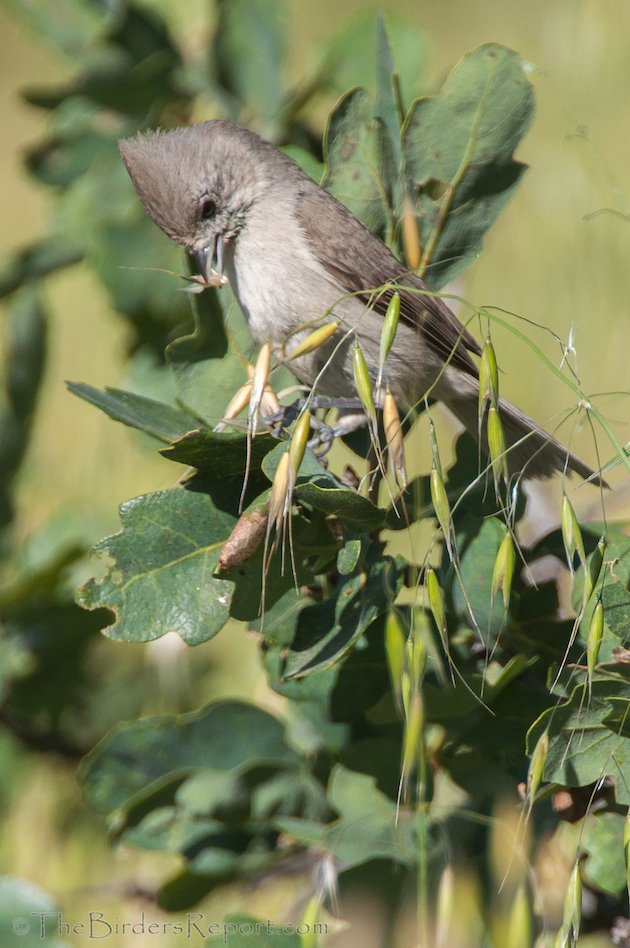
x: 360, y: 263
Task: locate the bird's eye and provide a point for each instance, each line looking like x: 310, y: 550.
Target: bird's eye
x: 208, y: 209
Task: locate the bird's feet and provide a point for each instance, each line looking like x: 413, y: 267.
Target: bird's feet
x: 351, y: 417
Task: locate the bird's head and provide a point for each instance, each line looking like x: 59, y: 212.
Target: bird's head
x: 199, y: 183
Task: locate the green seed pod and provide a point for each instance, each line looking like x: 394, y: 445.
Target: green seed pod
x: 537, y: 767
x: 440, y: 502
x: 520, y: 921
x: 363, y: 384
x: 593, y: 570
x: 436, y: 601
x: 413, y: 739
x: 308, y: 923
x: 571, y: 533
x: 503, y: 571
x: 572, y: 914
x: 435, y: 451
x: 416, y: 653
x: 445, y: 909
x: 405, y: 691
x: 388, y: 333
x: 439, y: 497
x: 496, y: 444
x: 299, y: 439
x: 488, y: 377
x: 314, y: 340
x: 594, y: 638
x: 395, y: 639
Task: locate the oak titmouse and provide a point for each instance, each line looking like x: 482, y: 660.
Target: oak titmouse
x: 296, y: 258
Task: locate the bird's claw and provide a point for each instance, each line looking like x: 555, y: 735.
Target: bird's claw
x: 324, y: 435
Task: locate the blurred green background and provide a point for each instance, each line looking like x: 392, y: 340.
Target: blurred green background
x: 545, y: 260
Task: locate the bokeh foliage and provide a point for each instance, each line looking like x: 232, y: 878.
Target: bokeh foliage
x: 236, y: 792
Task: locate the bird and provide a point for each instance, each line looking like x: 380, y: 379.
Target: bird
x: 297, y: 258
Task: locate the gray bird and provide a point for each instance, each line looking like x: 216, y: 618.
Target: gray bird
x: 297, y: 258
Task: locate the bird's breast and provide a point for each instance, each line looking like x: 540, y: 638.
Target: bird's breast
x: 285, y: 293
x: 280, y: 286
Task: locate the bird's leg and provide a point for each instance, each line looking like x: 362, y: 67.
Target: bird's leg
x: 351, y: 418
x: 325, y: 434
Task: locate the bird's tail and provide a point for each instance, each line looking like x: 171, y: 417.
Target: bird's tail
x: 531, y: 450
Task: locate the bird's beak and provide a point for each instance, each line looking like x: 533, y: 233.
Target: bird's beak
x: 202, y: 257
x: 210, y: 261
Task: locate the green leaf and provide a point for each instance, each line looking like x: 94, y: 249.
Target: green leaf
x: 325, y: 631
x: 454, y: 700
x: 15, y: 663
x: 223, y: 822
x: 60, y: 160
x: 309, y: 832
x: 220, y: 456
x: 322, y: 490
x: 219, y: 862
x: 160, y: 575
x: 46, y: 646
x: 23, y: 366
x: 185, y: 890
x: 239, y: 838
x: 289, y: 792
x: 458, y: 151
x: 99, y: 212
x: 278, y: 622
x: 306, y: 161
x: 131, y: 257
x: 590, y: 739
x: 167, y: 829
x: 36, y: 261
x: 136, y: 758
x: 348, y: 557
x: 387, y: 111
x: 325, y: 703
x: 132, y: 72
x: 616, y: 602
x: 480, y: 541
x: 100, y: 182
x: 378, y: 757
x: 264, y: 579
x: 155, y: 418
x: 475, y: 502
x: 352, y: 152
x: 552, y: 544
x: 28, y: 916
x: 160, y: 567
x: 613, y: 584
x: 370, y: 826
x: 252, y: 71
x: 602, y: 839
x: 209, y: 368
x: 208, y: 789
x: 348, y: 59
x: 25, y: 351
x: 615, y: 588
x: 72, y: 25
x: 323, y: 494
